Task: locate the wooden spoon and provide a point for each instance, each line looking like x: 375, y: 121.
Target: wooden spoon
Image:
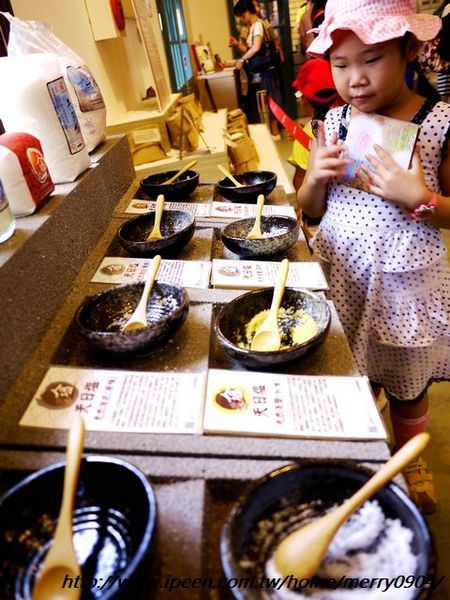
x: 267, y: 337
x: 255, y: 232
x: 230, y: 176
x: 300, y: 553
x: 180, y: 172
x: 61, y: 561
x: 138, y: 319
x: 155, y: 233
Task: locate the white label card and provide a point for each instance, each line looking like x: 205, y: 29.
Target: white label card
x: 241, y: 402
x: 139, y: 207
x: 118, y: 269
x: 118, y: 401
x: 247, y: 274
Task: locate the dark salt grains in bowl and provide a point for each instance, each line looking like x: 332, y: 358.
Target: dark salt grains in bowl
x: 167, y: 304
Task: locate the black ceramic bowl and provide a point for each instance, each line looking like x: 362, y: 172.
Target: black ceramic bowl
x: 284, y: 490
x: 230, y: 325
x: 101, y: 317
x: 280, y: 233
x: 114, y: 527
x: 255, y: 183
x: 177, y: 228
x: 179, y: 190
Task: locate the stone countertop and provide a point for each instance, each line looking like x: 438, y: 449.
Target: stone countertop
x: 60, y: 344
x: 196, y: 478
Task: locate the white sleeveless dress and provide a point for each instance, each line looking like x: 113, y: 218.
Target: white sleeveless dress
x: 389, y: 275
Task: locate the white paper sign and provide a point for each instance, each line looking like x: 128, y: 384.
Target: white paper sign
x: 139, y: 207
x: 228, y: 210
x: 248, y: 275
x: 118, y: 401
x: 118, y: 269
x: 327, y: 407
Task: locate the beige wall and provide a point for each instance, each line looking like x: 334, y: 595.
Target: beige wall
x: 108, y: 60
x: 207, y: 21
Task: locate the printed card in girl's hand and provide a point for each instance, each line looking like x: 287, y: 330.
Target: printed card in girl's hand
x: 397, y: 137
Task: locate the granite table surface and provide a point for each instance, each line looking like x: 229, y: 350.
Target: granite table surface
x: 197, y: 478
x: 192, y: 349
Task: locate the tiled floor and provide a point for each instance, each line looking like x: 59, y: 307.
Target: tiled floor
x: 437, y: 455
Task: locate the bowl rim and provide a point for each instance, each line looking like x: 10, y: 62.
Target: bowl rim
x: 273, y: 176
x: 196, y: 175
x: 228, y: 556
x: 105, y: 334
x: 248, y: 353
x: 150, y: 243
x: 286, y: 218
x: 147, y: 534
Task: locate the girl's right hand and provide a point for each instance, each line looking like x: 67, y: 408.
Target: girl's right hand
x: 326, y: 160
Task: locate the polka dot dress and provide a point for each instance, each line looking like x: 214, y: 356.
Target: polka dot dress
x: 389, y: 275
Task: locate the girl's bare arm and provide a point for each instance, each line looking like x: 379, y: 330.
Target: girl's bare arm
x: 325, y: 163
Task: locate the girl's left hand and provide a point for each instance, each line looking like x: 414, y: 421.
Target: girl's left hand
x: 389, y: 181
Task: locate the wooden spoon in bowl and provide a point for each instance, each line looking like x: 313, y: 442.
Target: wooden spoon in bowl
x: 180, y: 172
x: 255, y: 232
x: 230, y: 176
x: 267, y: 337
x: 61, y: 560
x: 138, y: 319
x: 300, y: 553
x: 155, y: 233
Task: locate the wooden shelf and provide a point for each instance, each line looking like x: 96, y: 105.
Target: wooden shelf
x: 214, y: 127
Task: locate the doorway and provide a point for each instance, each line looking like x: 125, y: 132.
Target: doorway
x: 173, y: 28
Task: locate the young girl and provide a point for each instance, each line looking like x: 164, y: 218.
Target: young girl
x: 389, y: 276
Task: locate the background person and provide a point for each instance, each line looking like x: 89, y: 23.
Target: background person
x: 267, y: 80
x: 311, y: 18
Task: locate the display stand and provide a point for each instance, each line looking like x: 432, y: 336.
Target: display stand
x: 140, y: 119
x: 208, y: 473
x: 220, y: 88
x: 212, y: 151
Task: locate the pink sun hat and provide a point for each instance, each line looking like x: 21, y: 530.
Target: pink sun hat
x: 373, y: 21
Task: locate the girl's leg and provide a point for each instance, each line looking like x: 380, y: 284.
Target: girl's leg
x: 408, y: 419
x: 377, y: 391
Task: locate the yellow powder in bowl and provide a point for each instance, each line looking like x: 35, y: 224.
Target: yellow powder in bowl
x: 296, y: 326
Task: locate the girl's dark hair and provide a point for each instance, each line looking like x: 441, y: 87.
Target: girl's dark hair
x: 243, y: 5
x: 321, y: 108
x: 318, y: 12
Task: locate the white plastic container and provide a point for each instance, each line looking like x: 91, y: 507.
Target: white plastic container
x: 34, y: 99
x: 7, y: 221
x: 31, y: 37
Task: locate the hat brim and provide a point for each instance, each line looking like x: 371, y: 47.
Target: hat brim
x: 375, y: 30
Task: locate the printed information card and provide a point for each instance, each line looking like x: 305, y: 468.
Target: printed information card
x: 327, y: 407
x: 139, y: 207
x: 249, y: 274
x: 117, y: 269
x: 128, y: 401
x: 225, y: 210
x: 228, y: 210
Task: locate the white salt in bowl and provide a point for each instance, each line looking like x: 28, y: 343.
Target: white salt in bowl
x: 390, y: 535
